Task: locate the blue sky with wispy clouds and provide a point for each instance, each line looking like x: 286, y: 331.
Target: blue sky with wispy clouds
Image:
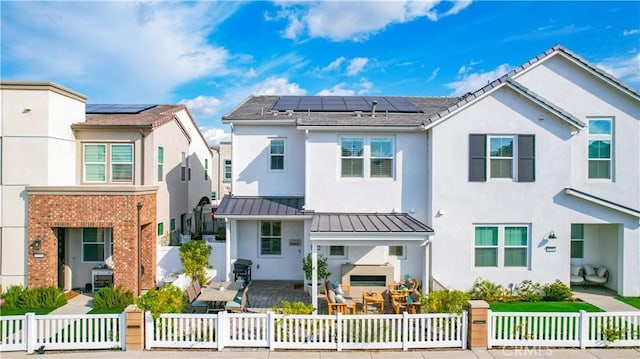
x: 212, y: 55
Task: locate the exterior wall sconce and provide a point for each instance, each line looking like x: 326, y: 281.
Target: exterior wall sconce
x: 36, y: 244
x: 552, y: 235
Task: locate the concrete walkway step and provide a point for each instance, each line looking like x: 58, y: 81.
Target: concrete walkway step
x: 603, y: 299
x: 80, y: 304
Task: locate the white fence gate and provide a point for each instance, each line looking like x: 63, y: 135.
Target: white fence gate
x: 610, y: 329
x: 62, y: 332
x: 337, y: 332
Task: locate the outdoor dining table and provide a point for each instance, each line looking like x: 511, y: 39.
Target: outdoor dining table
x: 218, y: 294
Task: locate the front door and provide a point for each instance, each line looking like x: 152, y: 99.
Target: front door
x: 61, y: 258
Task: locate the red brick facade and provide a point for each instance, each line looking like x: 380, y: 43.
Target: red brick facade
x: 116, y: 210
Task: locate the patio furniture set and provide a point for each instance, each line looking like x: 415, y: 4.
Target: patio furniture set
x: 404, y: 296
x: 589, y: 275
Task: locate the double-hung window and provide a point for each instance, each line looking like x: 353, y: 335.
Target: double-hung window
x: 93, y: 242
x: 577, y: 241
x: 104, y: 162
x: 95, y: 163
x: 183, y: 167
x: 160, y: 164
x: 352, y: 156
x: 227, y: 170
x: 501, y: 246
x: 276, y: 154
x: 381, y: 157
x: 206, y: 169
x: 600, y: 148
x: 501, y: 157
x: 270, y: 238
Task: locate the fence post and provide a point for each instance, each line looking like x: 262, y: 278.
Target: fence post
x: 479, y: 324
x: 271, y: 329
x: 405, y: 331
x: 221, y: 324
x: 135, y: 321
x: 339, y: 333
x: 122, y: 318
x: 464, y: 326
x: 30, y: 331
x: 149, y: 330
x: 584, y: 329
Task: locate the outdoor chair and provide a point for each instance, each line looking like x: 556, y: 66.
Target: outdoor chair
x: 240, y: 303
x: 596, y: 275
x: 195, y: 306
x: 336, y: 303
x: 576, y: 276
x: 411, y: 304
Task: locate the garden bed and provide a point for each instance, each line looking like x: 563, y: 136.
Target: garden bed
x: 572, y: 306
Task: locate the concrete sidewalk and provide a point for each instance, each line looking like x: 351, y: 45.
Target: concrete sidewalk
x: 603, y: 299
x: 79, y: 304
x: 425, y: 354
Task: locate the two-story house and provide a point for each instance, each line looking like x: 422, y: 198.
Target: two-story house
x: 534, y: 172
x: 89, y: 191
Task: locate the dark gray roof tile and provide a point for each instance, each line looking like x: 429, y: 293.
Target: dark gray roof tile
x: 260, y: 206
x: 367, y: 222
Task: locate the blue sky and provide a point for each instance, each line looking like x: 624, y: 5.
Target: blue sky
x: 212, y: 55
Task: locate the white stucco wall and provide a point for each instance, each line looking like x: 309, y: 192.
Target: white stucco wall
x: 250, y: 161
x: 541, y: 205
x: 329, y: 192
x: 287, y: 266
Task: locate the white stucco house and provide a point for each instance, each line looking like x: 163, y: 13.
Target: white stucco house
x: 536, y: 171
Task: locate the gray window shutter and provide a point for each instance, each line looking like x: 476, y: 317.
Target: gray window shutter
x: 477, y: 158
x: 526, y: 158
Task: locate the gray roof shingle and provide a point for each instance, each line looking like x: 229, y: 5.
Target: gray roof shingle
x: 367, y: 222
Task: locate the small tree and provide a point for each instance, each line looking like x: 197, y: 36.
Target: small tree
x: 194, y: 256
x: 443, y: 301
x: 168, y: 299
x: 307, y: 267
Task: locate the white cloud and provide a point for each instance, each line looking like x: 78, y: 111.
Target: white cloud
x: 434, y: 74
x: 334, y: 64
x: 115, y: 48
x: 251, y: 73
x: 337, y: 90
x: 631, y: 32
x: 203, y: 106
x: 470, y: 82
x: 356, y: 21
x: 356, y: 65
x: 215, y: 135
x: 277, y: 86
x: 625, y: 68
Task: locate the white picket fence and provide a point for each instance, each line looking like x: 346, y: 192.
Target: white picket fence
x: 61, y: 332
x: 583, y: 329
x: 273, y: 331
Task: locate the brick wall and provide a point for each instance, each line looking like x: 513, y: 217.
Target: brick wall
x: 117, y: 211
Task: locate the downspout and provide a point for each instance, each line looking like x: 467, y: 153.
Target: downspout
x: 142, y: 137
x: 139, y: 207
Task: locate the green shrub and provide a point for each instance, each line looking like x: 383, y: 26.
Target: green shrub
x: 442, y: 301
x: 528, y: 291
x: 194, y: 256
x: 168, y: 299
x: 112, y: 298
x: 489, y: 291
x: 557, y: 292
x: 287, y: 308
x: 12, y: 295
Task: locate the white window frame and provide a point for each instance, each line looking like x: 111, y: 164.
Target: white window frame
x: 96, y: 243
x: 85, y: 163
x: 160, y: 166
x: 283, y: 154
x: 344, y: 255
x: 366, y: 157
x: 270, y: 237
x: 112, y: 163
x: 575, y: 239
x: 501, y: 246
x: 396, y: 256
x: 601, y: 137
x: 513, y: 157
x: 206, y: 169
x: 183, y: 167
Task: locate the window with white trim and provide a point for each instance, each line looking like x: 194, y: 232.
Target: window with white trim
x: 160, y: 229
x: 577, y: 241
x: 501, y: 246
x: 160, y: 163
x: 366, y: 157
x: 270, y: 238
x: 102, y: 161
x: 206, y: 169
x: 600, y: 148
x: 93, y: 242
x: 397, y: 252
x: 183, y: 167
x: 501, y: 156
x: 337, y: 252
x: 276, y: 154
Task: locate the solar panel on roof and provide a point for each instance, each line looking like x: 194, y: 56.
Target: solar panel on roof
x: 344, y: 104
x: 127, y: 109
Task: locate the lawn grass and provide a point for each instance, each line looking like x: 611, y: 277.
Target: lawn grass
x: 632, y: 301
x: 22, y: 311
x: 106, y: 311
x: 543, y: 307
